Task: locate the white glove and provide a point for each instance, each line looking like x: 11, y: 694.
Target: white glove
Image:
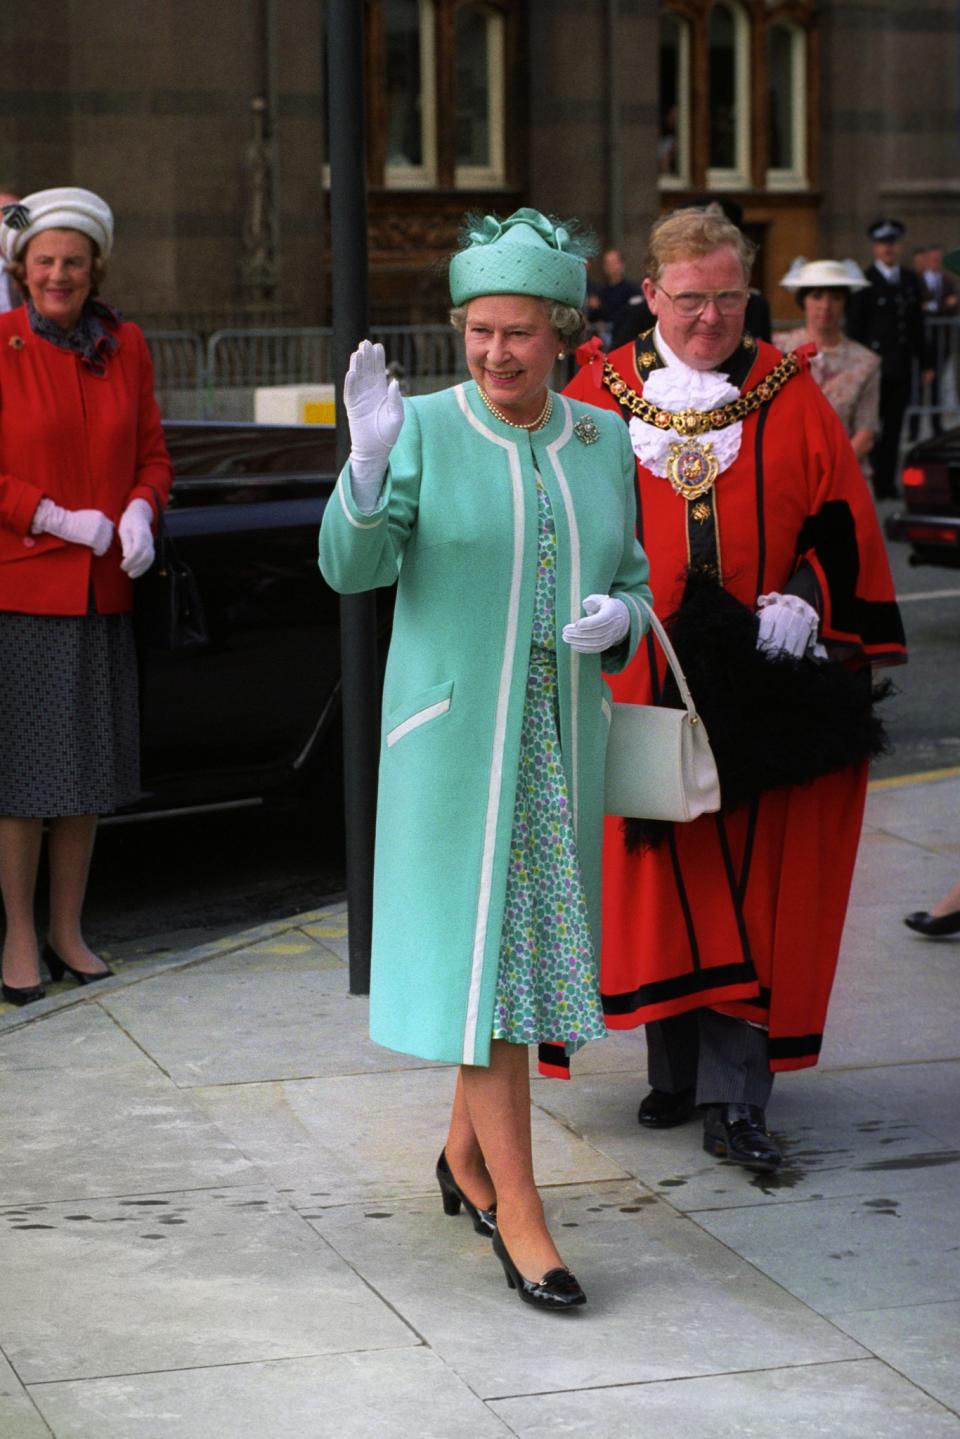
x: 607, y: 621
x: 788, y: 625
x: 375, y: 415
x: 77, y: 527
x: 136, y: 538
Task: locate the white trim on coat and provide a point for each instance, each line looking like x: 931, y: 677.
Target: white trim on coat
x: 415, y: 721
x: 499, y: 732
x: 575, y: 599
x: 357, y: 524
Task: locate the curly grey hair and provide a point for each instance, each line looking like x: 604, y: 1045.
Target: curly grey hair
x: 569, y: 322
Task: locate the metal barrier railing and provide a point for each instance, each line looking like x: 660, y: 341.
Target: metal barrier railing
x: 179, y: 364
x: 218, y: 380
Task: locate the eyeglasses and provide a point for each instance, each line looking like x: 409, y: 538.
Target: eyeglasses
x: 693, y: 302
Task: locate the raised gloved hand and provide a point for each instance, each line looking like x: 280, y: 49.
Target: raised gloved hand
x: 788, y: 625
x: 375, y: 415
x: 605, y: 623
x: 136, y: 538
x: 77, y: 527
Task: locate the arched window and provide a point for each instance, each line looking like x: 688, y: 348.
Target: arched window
x: 409, y: 71
x: 787, y: 85
x: 673, y: 139
x: 479, y: 88
x: 728, y: 51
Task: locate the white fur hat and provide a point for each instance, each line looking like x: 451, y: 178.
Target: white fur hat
x: 65, y: 208
x: 824, y: 275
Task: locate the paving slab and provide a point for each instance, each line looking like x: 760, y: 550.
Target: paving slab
x: 843, y: 1401
x: 393, y: 1394
x: 107, y: 1131
x: 77, y: 1042
x: 664, y: 1299
x: 839, y: 1255
x: 280, y: 1010
x: 920, y: 1341
x: 19, y: 1418
x: 336, y: 1141
x: 176, y: 1281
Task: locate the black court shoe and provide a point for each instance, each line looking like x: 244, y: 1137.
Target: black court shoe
x: 558, y: 1289
x: 739, y: 1132
x: 933, y: 924
x: 484, y: 1220
x: 57, y: 967
x: 20, y: 997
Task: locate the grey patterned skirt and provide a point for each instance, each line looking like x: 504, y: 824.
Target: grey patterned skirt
x: 69, y: 715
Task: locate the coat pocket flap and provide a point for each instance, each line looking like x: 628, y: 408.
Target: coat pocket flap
x: 417, y: 711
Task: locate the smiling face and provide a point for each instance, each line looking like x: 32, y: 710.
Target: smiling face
x: 59, y: 266
x: 511, y: 349
x: 701, y: 341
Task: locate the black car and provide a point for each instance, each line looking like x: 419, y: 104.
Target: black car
x: 930, y: 520
x: 254, y: 714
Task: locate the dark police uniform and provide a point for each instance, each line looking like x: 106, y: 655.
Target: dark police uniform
x: 888, y: 319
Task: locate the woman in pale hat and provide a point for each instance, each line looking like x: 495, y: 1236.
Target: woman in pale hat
x: 847, y: 372
x: 507, y: 512
x: 83, y: 468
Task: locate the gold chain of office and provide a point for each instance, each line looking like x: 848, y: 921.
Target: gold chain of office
x: 690, y: 423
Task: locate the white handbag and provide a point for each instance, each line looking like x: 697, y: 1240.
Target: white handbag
x: 659, y: 761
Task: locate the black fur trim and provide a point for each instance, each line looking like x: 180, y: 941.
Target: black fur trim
x: 772, y: 721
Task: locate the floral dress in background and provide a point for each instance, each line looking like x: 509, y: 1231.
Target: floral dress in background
x: 849, y: 376
x: 547, y: 981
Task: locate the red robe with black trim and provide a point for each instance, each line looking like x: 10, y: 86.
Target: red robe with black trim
x: 743, y: 911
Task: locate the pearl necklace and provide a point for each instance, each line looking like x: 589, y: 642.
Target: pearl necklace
x: 536, y: 424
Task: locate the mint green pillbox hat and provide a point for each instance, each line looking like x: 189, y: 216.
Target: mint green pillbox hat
x: 526, y: 254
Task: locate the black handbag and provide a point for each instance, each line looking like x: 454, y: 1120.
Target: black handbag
x: 168, y: 610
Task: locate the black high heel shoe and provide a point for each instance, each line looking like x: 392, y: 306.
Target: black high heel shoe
x: 20, y: 997
x: 933, y: 924
x: 558, y: 1289
x: 58, y: 967
x: 484, y: 1220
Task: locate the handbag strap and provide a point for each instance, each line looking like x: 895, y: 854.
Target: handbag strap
x: 672, y: 661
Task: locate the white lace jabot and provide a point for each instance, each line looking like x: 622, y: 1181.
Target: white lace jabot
x: 679, y: 387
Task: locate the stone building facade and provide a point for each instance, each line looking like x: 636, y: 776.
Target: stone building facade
x: 204, y: 125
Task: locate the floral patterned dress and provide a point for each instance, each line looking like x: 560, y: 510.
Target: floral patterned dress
x: 548, y: 981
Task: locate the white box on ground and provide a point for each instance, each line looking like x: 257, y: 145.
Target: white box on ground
x: 294, y: 405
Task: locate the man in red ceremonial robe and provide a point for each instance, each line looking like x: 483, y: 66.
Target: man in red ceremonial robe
x: 723, y: 938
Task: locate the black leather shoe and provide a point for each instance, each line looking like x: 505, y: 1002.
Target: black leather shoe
x: 484, y: 1220
x: 925, y: 923
x: 660, y: 1110
x: 739, y: 1132
x: 556, y: 1290
x: 20, y: 997
x: 57, y: 967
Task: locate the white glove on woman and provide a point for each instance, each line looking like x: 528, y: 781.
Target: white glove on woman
x: 77, y: 527
x: 788, y: 625
x: 136, y: 538
x: 607, y: 621
x: 375, y: 415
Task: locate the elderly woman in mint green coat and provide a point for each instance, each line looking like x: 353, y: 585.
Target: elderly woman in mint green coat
x: 505, y: 514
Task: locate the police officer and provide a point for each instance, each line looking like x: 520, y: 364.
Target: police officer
x: 888, y: 319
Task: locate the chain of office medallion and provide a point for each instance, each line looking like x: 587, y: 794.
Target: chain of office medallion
x: 697, y: 422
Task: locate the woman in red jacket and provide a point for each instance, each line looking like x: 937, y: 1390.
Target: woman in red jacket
x: 83, y: 468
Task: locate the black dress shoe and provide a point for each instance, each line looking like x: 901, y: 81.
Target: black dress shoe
x: 660, y: 1110
x: 925, y: 923
x: 484, y: 1220
x: 20, y: 997
x: 556, y: 1290
x: 57, y: 967
x: 739, y: 1132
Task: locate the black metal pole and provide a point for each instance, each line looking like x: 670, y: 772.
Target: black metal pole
x: 358, y: 613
